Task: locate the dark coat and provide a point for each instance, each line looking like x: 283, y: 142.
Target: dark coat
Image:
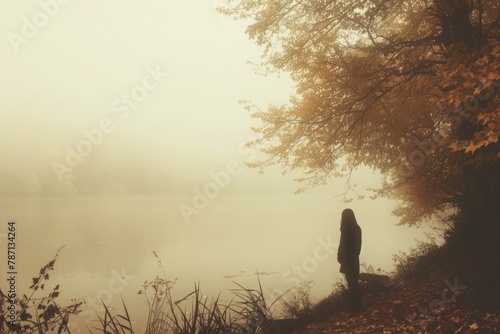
x: 349, y: 248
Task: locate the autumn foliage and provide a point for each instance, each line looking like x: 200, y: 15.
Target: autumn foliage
x: 408, y: 88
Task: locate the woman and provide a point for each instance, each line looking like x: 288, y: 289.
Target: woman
x: 348, y: 256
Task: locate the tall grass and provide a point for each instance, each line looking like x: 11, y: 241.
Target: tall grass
x: 119, y: 324
x: 247, y: 313
x: 299, y: 303
x: 412, y: 263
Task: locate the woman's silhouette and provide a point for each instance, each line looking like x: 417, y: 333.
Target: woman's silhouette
x: 348, y: 256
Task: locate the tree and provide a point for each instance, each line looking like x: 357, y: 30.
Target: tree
x: 409, y: 88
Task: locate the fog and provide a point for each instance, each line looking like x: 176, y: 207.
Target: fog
x: 122, y: 135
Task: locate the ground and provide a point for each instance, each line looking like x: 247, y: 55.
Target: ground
x: 454, y: 297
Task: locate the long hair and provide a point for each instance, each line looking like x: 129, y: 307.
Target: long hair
x: 348, y: 218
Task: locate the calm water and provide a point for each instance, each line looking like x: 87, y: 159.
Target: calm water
x: 109, y: 244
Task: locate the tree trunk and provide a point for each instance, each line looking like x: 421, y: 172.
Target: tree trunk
x: 454, y: 18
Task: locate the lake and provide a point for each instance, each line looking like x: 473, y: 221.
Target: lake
x: 109, y: 243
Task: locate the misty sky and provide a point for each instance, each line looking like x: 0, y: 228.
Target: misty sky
x: 77, y: 71
x: 88, y: 64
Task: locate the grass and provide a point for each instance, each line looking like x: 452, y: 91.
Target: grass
x: 248, y: 312
x: 298, y: 303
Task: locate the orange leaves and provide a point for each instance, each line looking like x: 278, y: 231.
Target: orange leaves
x: 388, y: 313
x: 474, y: 90
x: 488, y: 133
x: 482, y: 61
x: 467, y: 146
x: 375, y: 80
